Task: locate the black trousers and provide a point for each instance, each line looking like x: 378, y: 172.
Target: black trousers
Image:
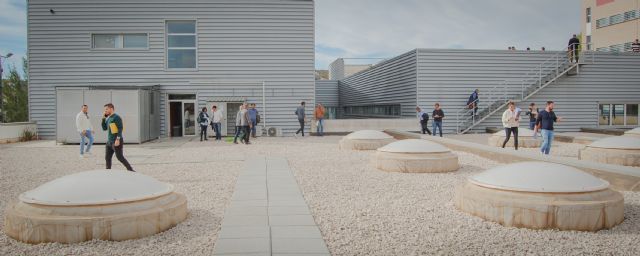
x: 425, y: 128
x: 247, y: 133
x: 508, y: 132
x: 203, y: 132
x: 301, y: 127
x: 110, y: 149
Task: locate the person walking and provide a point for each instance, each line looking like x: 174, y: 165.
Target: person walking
x: 545, y: 121
x: 112, y: 123
x: 472, y: 102
x: 511, y: 121
x: 239, y: 130
x: 245, y: 123
x: 253, y: 117
x: 533, y: 115
x: 573, y: 47
x: 319, y: 115
x: 437, y: 114
x: 301, y: 116
x: 424, y: 120
x: 203, y: 120
x: 216, y: 122
x: 635, y: 46
x: 84, y: 127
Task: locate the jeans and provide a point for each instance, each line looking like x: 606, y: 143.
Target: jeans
x: 301, y: 127
x: 320, y: 127
x: 217, y: 130
x: 110, y: 149
x: 239, y: 131
x: 437, y: 124
x: 203, y: 131
x: 532, y: 126
x: 547, y: 138
x: 508, y: 132
x: 253, y: 128
x: 87, y: 135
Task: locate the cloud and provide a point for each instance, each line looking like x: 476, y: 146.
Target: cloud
x: 385, y: 28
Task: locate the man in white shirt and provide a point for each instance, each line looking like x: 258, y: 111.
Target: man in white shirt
x: 84, y: 127
x: 217, y: 121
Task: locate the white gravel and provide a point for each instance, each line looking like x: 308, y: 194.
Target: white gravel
x: 359, y: 210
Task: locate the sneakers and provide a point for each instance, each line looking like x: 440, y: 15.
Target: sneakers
x: 81, y: 156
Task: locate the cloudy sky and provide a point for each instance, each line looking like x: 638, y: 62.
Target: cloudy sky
x: 385, y: 28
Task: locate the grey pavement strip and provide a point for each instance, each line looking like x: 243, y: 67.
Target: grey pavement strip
x: 268, y: 214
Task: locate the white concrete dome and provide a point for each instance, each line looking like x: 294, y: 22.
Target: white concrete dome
x: 539, y: 177
x: 620, y: 150
x: 100, y: 204
x: 525, y: 139
x: 365, y: 140
x: 415, y: 156
x: 541, y: 195
x: 95, y: 188
x: 414, y: 146
x: 633, y: 132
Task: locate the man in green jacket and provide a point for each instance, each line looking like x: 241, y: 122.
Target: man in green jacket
x: 112, y: 123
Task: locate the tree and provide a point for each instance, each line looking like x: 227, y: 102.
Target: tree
x: 15, y: 96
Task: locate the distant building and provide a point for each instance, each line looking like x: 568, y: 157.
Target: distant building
x: 339, y: 70
x: 610, y: 25
x: 322, y: 74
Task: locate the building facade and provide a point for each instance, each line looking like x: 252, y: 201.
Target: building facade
x: 610, y: 25
x: 338, y: 69
x: 194, y: 53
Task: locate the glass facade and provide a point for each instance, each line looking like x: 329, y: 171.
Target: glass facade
x: 618, y: 114
x: 373, y: 110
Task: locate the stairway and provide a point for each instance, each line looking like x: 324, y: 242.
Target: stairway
x: 497, y: 98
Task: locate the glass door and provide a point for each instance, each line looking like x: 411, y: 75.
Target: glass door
x: 189, y: 127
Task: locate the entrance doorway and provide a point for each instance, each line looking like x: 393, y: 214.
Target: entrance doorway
x: 182, y: 115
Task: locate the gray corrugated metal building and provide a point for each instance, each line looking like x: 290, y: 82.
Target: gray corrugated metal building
x: 423, y: 77
x: 195, y: 52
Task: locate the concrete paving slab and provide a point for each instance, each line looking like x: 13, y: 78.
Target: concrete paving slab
x: 247, y: 211
x: 247, y: 232
x: 291, y: 220
x: 298, y: 246
x: 243, y: 246
x: 295, y: 232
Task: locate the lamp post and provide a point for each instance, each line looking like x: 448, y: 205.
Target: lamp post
x: 1, y: 86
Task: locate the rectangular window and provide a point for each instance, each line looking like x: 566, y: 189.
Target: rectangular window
x: 588, y: 14
x: 615, y: 19
x: 181, y: 42
x: 617, y: 114
x: 632, y: 114
x: 119, y: 41
x: 631, y: 15
x: 602, y: 22
x: 588, y: 43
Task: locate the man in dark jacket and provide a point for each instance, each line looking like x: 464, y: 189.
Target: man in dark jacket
x: 437, y: 115
x: 424, y: 121
x: 203, y: 120
x: 112, y: 123
x: 573, y: 46
x: 473, y: 101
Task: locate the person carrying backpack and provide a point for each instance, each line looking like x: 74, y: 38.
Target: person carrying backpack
x: 424, y: 121
x: 203, y: 120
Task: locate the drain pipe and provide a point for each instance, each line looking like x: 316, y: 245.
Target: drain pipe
x: 264, y: 108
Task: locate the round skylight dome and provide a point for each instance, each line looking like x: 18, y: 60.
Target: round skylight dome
x: 414, y: 146
x: 97, y: 187
x: 634, y: 131
x: 617, y: 142
x: 368, y: 135
x: 539, y: 177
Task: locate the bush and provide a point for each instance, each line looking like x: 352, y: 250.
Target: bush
x: 27, y: 135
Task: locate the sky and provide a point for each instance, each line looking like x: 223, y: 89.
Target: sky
x: 386, y: 28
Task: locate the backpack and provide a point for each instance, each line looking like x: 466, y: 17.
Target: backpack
x: 258, y: 119
x: 425, y: 117
x: 199, y: 119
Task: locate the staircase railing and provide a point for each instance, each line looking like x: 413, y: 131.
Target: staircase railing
x: 530, y: 83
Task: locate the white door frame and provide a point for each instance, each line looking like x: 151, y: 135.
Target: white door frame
x: 168, y: 117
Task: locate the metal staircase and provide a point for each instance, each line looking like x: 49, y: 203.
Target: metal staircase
x: 497, y: 98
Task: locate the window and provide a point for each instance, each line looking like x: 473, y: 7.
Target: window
x: 618, y: 114
x: 588, y: 14
x: 602, y: 22
x: 181, y: 42
x: 631, y: 15
x: 119, y: 41
x: 373, y: 110
x: 588, y: 43
x: 615, y: 19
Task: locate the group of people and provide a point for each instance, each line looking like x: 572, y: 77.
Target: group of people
x: 112, y: 123
x: 247, y: 119
x: 437, y: 115
x: 539, y: 121
x: 215, y: 121
x: 318, y: 114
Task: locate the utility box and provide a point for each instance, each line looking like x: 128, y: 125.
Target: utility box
x: 137, y: 106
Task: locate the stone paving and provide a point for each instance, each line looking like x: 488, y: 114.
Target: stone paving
x: 268, y: 214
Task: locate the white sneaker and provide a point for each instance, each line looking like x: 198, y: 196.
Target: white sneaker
x: 295, y: 135
x: 81, y: 156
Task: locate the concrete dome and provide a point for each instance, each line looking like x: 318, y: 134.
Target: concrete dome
x: 620, y: 150
x: 96, y: 187
x: 525, y: 139
x: 633, y: 132
x: 365, y: 140
x: 541, y: 195
x: 100, y: 204
x: 415, y: 155
x: 539, y: 177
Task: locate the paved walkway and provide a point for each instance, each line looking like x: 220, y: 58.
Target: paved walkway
x: 268, y: 215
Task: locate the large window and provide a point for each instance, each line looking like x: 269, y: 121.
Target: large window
x: 181, y: 42
x: 119, y: 41
x: 373, y: 110
x: 618, y: 114
x: 588, y: 14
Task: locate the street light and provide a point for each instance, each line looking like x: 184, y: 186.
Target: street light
x: 1, y: 82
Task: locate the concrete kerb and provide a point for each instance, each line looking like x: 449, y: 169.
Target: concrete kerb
x: 622, y: 178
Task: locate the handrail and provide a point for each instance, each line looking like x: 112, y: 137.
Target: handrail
x: 531, y: 82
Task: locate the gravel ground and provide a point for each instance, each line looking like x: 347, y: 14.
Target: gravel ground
x: 561, y: 149
x: 359, y: 210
